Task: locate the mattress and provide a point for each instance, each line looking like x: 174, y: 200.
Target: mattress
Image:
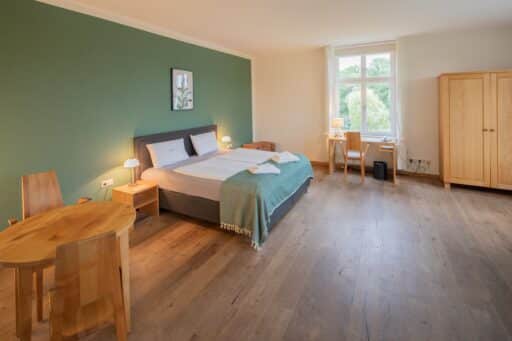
x: 202, y: 176
x: 168, y: 179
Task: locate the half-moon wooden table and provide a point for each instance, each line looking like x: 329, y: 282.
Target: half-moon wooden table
x: 32, y: 244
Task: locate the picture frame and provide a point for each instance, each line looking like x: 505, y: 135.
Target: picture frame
x: 182, y: 90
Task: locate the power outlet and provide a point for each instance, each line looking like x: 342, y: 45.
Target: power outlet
x: 418, y: 165
x: 107, y: 183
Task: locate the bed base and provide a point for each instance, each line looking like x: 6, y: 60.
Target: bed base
x: 209, y: 210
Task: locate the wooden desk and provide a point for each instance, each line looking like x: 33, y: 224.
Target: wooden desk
x: 32, y: 244
x: 383, y: 146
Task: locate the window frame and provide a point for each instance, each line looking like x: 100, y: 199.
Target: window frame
x: 363, y: 81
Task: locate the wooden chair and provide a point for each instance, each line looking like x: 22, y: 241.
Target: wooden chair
x: 40, y: 192
x: 353, y: 150
x: 88, y: 290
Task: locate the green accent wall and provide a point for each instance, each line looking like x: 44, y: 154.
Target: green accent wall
x: 75, y: 90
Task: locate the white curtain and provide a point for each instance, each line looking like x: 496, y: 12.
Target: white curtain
x: 330, y: 98
x: 400, y: 119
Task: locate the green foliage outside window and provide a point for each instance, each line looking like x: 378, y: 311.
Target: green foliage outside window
x: 377, y: 98
x: 379, y: 67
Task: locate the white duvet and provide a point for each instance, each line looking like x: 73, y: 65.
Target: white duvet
x: 252, y: 156
x: 226, y: 165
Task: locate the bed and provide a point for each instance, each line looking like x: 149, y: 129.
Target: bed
x: 202, y: 197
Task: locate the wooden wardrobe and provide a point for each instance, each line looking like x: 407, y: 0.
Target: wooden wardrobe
x: 476, y: 129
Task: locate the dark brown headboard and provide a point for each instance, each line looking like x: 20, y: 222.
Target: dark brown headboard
x: 140, y: 142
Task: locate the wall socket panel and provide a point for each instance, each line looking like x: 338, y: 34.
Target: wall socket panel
x: 418, y: 165
x: 107, y: 183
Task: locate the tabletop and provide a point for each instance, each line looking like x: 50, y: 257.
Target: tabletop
x: 34, y: 241
x: 367, y: 139
x: 141, y: 186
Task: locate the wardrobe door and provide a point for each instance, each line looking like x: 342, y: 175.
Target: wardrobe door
x: 469, y: 138
x: 501, y: 130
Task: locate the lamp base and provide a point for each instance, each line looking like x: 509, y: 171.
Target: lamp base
x: 338, y: 134
x: 133, y: 183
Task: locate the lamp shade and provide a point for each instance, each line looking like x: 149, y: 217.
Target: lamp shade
x: 226, y: 139
x: 131, y: 163
x: 337, y: 122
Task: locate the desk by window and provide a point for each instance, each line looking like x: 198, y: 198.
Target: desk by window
x: 388, y: 146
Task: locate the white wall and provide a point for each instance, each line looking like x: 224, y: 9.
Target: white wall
x: 289, y: 89
x: 289, y: 100
x: 424, y: 57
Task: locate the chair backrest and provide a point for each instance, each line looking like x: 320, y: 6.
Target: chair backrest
x: 40, y: 192
x: 87, y: 275
x: 353, y: 140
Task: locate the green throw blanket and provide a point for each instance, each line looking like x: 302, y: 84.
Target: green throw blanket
x: 248, y: 200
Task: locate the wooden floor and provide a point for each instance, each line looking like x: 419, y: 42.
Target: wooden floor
x: 349, y: 262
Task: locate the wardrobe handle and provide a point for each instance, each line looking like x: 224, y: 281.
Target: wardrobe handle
x: 484, y: 129
x: 491, y: 130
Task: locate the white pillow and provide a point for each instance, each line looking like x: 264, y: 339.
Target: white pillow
x: 204, y: 143
x: 167, y: 153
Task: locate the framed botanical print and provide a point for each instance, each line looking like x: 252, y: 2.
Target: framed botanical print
x: 182, y: 90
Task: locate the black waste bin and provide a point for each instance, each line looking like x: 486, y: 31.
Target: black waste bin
x: 380, y: 170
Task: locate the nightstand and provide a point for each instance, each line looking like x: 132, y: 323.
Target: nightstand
x: 143, y: 197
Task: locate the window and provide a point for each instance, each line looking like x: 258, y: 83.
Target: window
x: 365, y: 92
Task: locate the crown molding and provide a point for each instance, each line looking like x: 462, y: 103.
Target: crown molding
x: 76, y: 6
x: 366, y: 44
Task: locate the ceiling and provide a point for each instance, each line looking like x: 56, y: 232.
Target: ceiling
x: 252, y: 27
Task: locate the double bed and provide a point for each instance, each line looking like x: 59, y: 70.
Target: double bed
x: 216, y: 187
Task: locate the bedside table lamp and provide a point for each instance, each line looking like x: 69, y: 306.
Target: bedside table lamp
x: 338, y: 123
x: 227, y: 141
x: 132, y: 164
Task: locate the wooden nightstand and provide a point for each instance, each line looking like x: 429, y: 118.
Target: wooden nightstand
x: 143, y: 197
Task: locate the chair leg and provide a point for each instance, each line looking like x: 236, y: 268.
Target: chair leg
x: 363, y: 171
x: 39, y: 294
x: 119, y: 309
x: 345, y: 164
x: 55, y: 320
x: 121, y: 332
